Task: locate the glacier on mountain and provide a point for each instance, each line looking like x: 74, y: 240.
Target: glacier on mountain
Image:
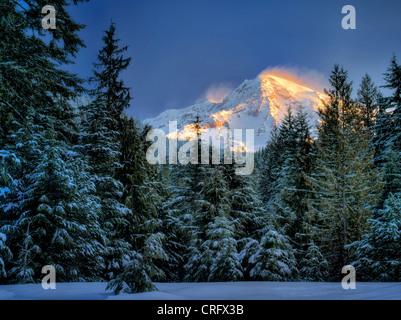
x: 257, y: 104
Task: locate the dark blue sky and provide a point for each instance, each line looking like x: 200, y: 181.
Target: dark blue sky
x: 180, y: 48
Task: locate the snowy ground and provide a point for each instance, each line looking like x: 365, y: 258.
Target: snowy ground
x: 210, y: 291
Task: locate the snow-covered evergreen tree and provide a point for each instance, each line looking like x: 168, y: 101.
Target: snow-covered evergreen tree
x: 174, y: 228
x: 392, y: 172
x: 289, y: 204
x: 142, y: 196
x: 274, y: 259
x: 36, y: 118
x: 314, y: 266
x: 220, y: 251
x: 377, y: 254
x: 381, y: 132
x: 126, y: 184
x: 214, y: 202
x: 388, y: 132
x: 345, y: 186
x: 59, y: 226
x: 5, y: 254
x: 246, y: 212
x: 7, y: 161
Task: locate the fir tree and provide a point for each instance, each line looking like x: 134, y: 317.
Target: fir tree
x: 59, y: 226
x: 35, y: 117
x: 381, y: 132
x: 368, y: 95
x: 142, y: 189
x: 378, y: 252
x: 393, y: 80
x: 386, y: 139
x: 5, y: 254
x: 125, y: 182
x: 314, y: 266
x: 174, y: 227
x: 7, y: 162
x: 274, y: 259
x: 246, y: 212
x: 271, y: 162
x: 214, y: 203
x: 220, y: 250
x: 345, y: 186
x: 290, y: 202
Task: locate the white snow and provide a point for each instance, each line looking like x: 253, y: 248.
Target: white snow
x: 253, y: 105
x: 209, y: 291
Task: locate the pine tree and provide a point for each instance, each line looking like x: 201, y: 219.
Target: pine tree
x: 377, y: 256
x: 368, y: 95
x: 246, y: 212
x: 381, y: 132
x: 126, y: 184
x: 59, y: 226
x: 314, y: 266
x: 214, y: 203
x: 220, y: 253
x: 274, y: 259
x: 290, y: 202
x: 7, y: 163
x: 5, y: 254
x: 388, y: 132
x: 36, y: 116
x: 174, y: 227
x: 142, y: 196
x: 393, y: 79
x: 271, y: 162
x: 345, y: 186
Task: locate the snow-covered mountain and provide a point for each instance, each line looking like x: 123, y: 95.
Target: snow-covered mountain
x: 256, y: 104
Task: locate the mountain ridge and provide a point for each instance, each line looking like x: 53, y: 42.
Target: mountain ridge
x: 257, y: 104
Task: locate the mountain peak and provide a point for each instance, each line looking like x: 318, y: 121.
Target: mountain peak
x: 256, y: 104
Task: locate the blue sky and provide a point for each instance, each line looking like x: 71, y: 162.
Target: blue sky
x: 181, y: 48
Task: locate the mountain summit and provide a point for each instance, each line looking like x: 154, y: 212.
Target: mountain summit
x: 256, y: 104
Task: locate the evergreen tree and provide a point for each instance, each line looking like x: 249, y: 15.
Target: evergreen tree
x: 142, y: 196
x: 271, y: 162
x: 5, y: 254
x: 345, y: 186
x: 60, y: 224
x: 368, y: 95
x: 220, y: 254
x: 388, y: 132
x: 393, y: 79
x: 377, y: 256
x: 36, y: 117
x: 246, y: 213
x: 274, y: 259
x: 314, y: 266
x: 391, y: 173
x: 214, y: 203
x: 381, y: 132
x: 290, y: 202
x: 7, y: 163
x: 126, y: 184
x: 177, y: 219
